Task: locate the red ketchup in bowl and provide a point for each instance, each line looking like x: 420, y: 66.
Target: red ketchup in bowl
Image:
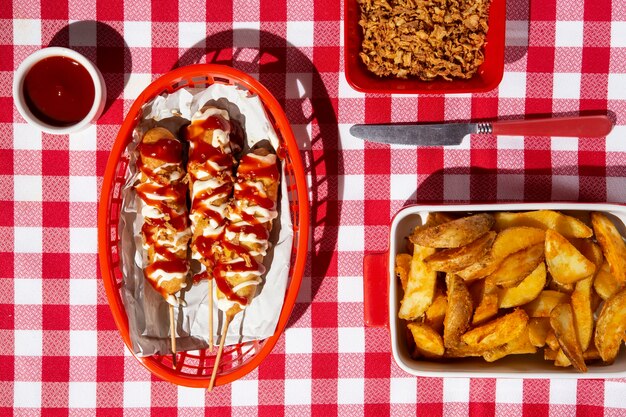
x: 59, y: 91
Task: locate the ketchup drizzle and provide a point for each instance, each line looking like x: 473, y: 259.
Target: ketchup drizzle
x: 251, y: 167
x: 249, y: 225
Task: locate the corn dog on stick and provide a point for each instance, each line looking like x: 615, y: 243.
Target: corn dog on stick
x: 165, y: 234
x: 246, y: 238
x: 210, y: 169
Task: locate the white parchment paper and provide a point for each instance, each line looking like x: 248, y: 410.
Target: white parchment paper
x: 147, y: 312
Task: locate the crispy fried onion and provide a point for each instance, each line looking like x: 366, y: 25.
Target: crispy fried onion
x: 423, y: 38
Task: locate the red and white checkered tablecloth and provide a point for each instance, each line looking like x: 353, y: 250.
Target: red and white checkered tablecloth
x: 60, y: 353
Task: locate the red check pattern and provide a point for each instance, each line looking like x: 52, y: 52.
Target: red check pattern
x: 60, y: 353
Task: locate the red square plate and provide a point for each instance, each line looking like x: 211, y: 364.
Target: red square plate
x: 487, y: 78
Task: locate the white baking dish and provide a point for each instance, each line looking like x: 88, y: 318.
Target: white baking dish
x: 383, y: 294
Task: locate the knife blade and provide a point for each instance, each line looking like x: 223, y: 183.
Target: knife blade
x: 448, y: 134
x: 415, y: 134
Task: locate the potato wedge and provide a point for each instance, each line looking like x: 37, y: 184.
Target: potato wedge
x: 517, y: 266
x: 544, y: 219
x: 581, y: 215
x: 565, y: 263
x: 428, y: 342
x: 456, y: 259
x: 549, y: 354
x: 403, y: 266
x: 515, y: 239
x: 562, y: 360
x: 462, y: 351
x: 589, y: 355
x: 525, y: 291
x: 590, y: 250
x: 562, y: 322
x: 583, y: 312
x: 544, y: 303
x: 605, y: 283
x: 518, y: 346
x: 612, y: 245
x: 455, y: 233
x: 480, y: 269
x: 458, y: 311
x: 433, y: 219
x: 611, y: 326
x: 488, y: 306
x: 538, y: 328
x: 497, y: 332
x: 420, y: 288
x: 437, y: 312
x: 551, y: 339
x: 558, y: 286
x: 436, y: 218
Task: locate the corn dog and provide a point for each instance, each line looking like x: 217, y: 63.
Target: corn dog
x: 246, y: 239
x: 165, y: 231
x: 210, y: 169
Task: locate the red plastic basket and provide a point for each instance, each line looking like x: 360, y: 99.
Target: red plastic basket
x: 194, y: 370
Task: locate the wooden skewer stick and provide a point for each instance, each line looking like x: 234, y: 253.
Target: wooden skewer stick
x: 216, y: 364
x: 173, y: 336
x: 210, y: 315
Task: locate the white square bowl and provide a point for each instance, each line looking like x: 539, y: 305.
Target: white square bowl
x: 513, y: 366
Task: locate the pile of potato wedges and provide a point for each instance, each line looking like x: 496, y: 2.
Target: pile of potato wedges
x: 506, y: 283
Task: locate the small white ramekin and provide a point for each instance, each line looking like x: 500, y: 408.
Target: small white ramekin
x: 98, y: 82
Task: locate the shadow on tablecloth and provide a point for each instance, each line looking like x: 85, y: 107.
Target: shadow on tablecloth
x: 105, y: 47
x: 585, y: 183
x: 517, y: 30
x: 298, y: 86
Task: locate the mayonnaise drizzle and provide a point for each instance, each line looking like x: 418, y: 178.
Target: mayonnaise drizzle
x: 163, y: 276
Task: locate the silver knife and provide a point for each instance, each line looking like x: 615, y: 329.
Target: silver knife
x: 448, y: 134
